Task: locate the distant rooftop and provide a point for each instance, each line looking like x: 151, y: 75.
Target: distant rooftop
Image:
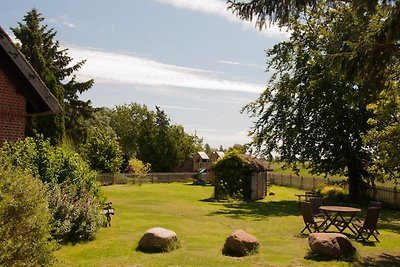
x: 203, y: 155
x: 220, y: 154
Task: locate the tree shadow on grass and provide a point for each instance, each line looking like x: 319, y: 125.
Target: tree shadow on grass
x: 389, y: 220
x: 381, y: 260
x: 258, y: 209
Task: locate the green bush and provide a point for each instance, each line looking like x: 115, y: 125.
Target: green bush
x: 74, y: 208
x: 24, y: 221
x: 75, y: 214
x: 334, y: 194
x: 103, y: 152
x: 53, y: 165
x: 232, y: 177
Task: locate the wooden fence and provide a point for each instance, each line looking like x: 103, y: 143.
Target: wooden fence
x: 122, y: 178
x: 388, y: 195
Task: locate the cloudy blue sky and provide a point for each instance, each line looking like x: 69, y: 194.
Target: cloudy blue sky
x: 193, y: 58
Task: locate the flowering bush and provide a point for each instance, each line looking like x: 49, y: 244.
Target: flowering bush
x: 75, y: 214
x: 334, y: 194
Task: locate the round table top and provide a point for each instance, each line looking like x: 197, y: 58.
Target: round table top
x: 340, y: 209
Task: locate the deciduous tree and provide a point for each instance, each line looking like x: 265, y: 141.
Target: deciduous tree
x: 310, y: 112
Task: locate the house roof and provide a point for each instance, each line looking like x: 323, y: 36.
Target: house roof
x: 39, y: 98
x: 220, y: 154
x: 203, y: 155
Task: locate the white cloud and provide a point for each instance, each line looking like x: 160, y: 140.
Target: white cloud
x: 220, y: 8
x: 107, y: 67
x: 229, y: 62
x: 63, y: 20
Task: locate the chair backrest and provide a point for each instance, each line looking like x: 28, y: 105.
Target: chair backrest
x: 375, y: 204
x: 371, y: 218
x: 316, y: 202
x: 306, y: 210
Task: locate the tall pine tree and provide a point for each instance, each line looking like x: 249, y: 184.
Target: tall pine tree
x: 54, y: 66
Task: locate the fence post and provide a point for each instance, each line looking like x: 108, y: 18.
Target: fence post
x: 329, y: 183
x: 395, y: 196
x: 301, y: 183
x: 313, y: 183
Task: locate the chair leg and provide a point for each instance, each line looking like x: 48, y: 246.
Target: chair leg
x: 371, y: 232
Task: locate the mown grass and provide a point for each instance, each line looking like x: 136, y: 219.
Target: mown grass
x: 202, y: 227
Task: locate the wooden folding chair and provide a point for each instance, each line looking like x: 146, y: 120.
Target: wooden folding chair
x: 311, y: 224
x: 317, y: 202
x: 369, y: 225
x: 376, y: 204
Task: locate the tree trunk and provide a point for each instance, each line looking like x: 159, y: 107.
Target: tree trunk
x: 354, y: 180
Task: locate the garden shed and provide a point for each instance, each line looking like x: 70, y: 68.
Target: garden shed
x: 201, y: 160
x: 258, y: 177
x: 240, y: 177
x: 22, y: 92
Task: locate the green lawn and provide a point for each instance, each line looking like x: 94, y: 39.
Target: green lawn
x: 202, y: 227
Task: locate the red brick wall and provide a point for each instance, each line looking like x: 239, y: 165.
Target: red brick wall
x: 12, y: 111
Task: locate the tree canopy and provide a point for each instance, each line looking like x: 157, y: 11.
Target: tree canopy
x: 313, y: 109
x: 149, y: 136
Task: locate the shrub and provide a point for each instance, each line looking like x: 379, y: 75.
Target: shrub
x: 334, y: 194
x: 24, y: 221
x: 53, y: 165
x: 232, y: 177
x: 138, y: 168
x: 75, y: 214
x: 103, y: 152
x: 74, y: 192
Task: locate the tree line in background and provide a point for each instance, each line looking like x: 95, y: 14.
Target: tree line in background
x: 333, y: 100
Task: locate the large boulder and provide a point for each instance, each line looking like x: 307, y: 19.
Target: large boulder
x: 331, y: 245
x: 239, y: 244
x: 157, y: 240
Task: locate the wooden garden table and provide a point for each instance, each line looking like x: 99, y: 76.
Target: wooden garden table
x: 339, y: 216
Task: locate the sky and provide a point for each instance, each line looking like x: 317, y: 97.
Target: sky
x: 193, y: 58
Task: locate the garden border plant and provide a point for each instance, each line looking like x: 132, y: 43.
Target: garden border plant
x: 75, y: 209
x: 24, y: 220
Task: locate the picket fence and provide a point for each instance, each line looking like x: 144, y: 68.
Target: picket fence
x: 388, y: 195
x: 127, y: 178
